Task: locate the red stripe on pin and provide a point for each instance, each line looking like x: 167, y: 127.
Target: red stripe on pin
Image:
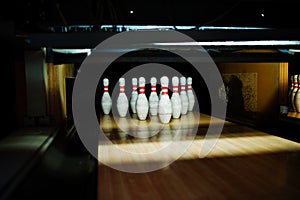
x: 122, y: 89
x: 153, y: 88
x: 175, y: 89
x: 142, y: 90
x: 164, y: 90
x: 105, y: 88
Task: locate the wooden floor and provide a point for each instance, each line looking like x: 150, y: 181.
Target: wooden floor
x: 244, y: 163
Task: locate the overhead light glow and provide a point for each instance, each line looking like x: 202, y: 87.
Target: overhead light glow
x: 294, y: 50
x: 229, y: 28
x: 233, y: 43
x: 72, y: 51
x: 120, y: 28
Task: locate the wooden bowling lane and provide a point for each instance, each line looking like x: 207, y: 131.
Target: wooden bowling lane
x: 244, y: 164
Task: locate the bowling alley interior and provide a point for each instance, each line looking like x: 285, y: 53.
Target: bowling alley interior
x: 161, y: 99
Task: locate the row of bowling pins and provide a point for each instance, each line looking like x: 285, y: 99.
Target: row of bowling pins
x: 294, y: 93
x: 162, y: 105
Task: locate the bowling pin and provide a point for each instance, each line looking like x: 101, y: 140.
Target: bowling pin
x: 175, y: 99
x: 165, y: 104
x: 190, y: 94
x: 153, y: 98
x: 106, y: 101
x: 290, y: 93
x: 294, y: 92
x: 122, y: 101
x: 183, y: 96
x: 134, y: 95
x: 297, y: 97
x: 142, y: 104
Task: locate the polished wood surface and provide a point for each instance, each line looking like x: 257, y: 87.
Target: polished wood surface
x: 293, y: 115
x: 244, y: 164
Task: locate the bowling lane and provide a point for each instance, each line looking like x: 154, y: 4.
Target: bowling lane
x: 243, y: 164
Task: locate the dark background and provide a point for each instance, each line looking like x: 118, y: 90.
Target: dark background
x: 39, y: 15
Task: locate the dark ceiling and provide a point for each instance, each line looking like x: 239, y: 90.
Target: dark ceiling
x: 39, y: 15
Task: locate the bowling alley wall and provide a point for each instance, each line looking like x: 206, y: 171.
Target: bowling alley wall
x: 41, y: 88
x: 255, y: 90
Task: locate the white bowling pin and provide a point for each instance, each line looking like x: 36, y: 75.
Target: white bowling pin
x: 153, y: 98
x: 290, y: 93
x: 183, y: 96
x: 134, y: 95
x: 106, y: 102
x: 122, y: 101
x: 142, y: 104
x: 297, y: 97
x: 294, y: 92
x: 165, y: 104
x: 175, y: 98
x: 190, y: 94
